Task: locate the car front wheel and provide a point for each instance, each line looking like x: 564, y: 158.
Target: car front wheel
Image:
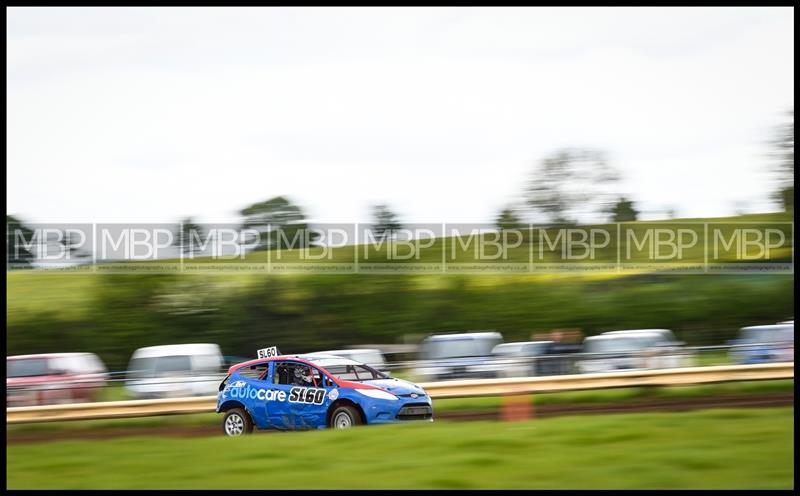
x: 237, y: 422
x: 345, y: 417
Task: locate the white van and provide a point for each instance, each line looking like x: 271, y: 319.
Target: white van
x: 764, y: 344
x: 175, y: 370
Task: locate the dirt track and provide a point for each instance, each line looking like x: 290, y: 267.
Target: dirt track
x: 540, y: 411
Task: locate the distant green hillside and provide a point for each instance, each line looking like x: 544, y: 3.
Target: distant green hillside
x: 535, y: 245
x: 113, y: 314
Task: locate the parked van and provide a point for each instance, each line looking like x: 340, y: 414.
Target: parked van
x: 764, y: 344
x: 175, y: 370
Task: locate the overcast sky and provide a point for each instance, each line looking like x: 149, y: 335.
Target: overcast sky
x: 152, y: 114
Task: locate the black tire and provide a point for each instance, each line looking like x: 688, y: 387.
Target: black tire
x: 236, y: 422
x: 344, y: 417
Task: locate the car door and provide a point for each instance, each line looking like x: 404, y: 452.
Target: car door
x: 285, y: 411
x: 317, y: 399
x: 252, y: 380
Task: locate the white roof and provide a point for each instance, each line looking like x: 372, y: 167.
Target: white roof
x: 177, y: 349
x: 47, y: 355
x: 622, y: 335
x: 771, y: 326
x: 350, y: 351
x: 521, y: 343
x: 482, y: 334
x: 328, y: 360
x: 518, y: 346
x: 638, y: 331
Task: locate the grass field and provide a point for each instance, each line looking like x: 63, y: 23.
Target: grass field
x: 721, y: 449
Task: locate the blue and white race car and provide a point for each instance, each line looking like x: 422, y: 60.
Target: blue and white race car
x: 315, y: 392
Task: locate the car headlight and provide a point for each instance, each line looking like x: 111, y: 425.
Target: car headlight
x: 377, y: 393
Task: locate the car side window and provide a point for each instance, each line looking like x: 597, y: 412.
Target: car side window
x: 320, y: 379
x: 327, y: 381
x: 283, y: 373
x: 305, y: 376
x: 299, y: 374
x: 255, y: 371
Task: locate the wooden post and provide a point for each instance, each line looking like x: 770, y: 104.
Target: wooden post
x: 517, y: 407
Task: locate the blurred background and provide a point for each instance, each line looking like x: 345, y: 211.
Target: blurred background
x: 289, y: 119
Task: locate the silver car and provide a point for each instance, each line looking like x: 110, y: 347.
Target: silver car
x: 457, y: 356
x: 520, y: 359
x: 637, y: 349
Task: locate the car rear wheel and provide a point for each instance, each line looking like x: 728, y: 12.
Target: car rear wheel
x: 237, y: 422
x: 345, y: 417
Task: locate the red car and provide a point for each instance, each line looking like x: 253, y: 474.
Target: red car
x: 54, y: 378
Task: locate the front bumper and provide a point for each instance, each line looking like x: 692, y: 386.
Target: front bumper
x: 418, y: 409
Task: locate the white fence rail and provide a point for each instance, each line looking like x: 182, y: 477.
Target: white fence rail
x: 437, y: 390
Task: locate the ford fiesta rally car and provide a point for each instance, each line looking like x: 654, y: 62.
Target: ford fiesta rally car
x: 315, y: 392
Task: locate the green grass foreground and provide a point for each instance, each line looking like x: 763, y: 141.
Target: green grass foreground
x: 724, y: 449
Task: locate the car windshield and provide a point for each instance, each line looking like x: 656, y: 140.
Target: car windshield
x: 768, y: 334
x: 647, y: 338
x: 535, y: 348
x: 355, y: 372
x: 368, y: 357
x: 612, y: 345
x: 27, y: 368
x: 173, y: 364
x: 154, y: 366
x: 507, y: 349
x: 437, y: 349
